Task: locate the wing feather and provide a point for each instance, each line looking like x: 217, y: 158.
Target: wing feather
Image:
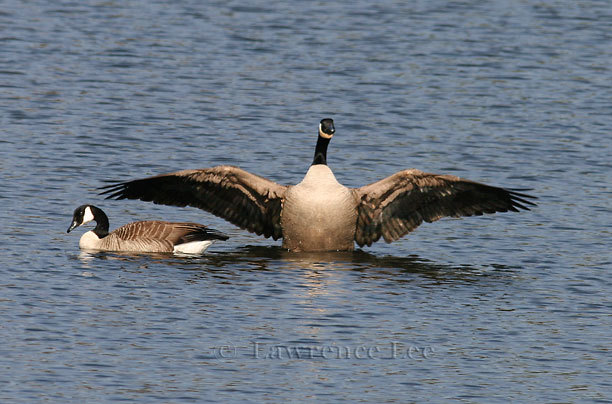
x: 244, y: 199
x: 398, y: 204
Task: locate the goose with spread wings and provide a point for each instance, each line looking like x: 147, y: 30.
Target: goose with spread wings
x: 320, y: 214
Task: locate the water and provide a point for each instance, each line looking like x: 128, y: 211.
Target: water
x: 509, y: 306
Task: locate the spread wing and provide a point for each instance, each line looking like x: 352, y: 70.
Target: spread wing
x: 244, y: 199
x: 398, y: 204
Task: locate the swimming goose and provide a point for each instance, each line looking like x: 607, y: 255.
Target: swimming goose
x: 320, y: 214
x: 144, y: 236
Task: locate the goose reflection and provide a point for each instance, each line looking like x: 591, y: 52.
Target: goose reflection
x: 313, y: 267
x: 272, y: 258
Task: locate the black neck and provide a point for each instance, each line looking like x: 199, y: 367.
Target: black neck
x: 101, y: 229
x: 320, y: 156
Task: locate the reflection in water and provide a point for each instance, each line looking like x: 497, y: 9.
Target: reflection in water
x: 307, y: 265
x: 358, y: 260
x: 87, y: 257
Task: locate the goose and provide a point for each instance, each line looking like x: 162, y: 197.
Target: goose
x: 144, y: 236
x: 320, y: 214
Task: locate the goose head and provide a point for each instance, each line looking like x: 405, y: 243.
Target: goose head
x: 85, y: 214
x: 81, y: 215
x: 326, y: 128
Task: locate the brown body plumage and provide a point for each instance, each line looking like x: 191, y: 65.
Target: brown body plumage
x: 319, y: 214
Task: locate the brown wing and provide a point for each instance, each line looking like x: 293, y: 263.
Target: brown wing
x: 398, y: 204
x: 140, y: 236
x: 244, y: 199
x: 173, y: 232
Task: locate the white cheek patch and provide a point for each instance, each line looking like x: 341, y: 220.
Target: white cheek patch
x: 323, y: 134
x: 88, y: 216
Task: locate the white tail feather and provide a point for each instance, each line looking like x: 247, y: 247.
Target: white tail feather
x: 193, y: 247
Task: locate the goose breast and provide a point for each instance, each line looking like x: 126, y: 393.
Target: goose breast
x: 319, y: 214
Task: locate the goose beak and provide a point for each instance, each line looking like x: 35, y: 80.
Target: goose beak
x: 74, y: 225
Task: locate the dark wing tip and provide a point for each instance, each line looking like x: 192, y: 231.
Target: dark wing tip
x: 134, y: 189
x: 214, y: 234
x: 114, y: 191
x: 520, y: 199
